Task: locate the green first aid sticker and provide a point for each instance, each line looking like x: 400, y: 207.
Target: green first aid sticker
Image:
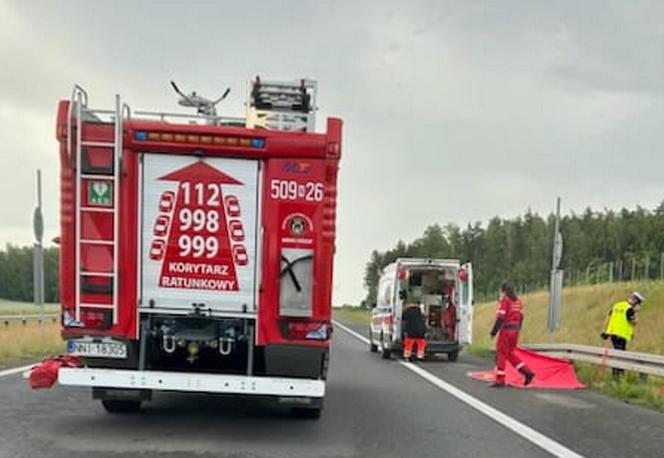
x: 99, y: 193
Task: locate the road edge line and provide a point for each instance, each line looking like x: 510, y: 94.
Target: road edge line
x: 15, y: 370
x: 540, y: 440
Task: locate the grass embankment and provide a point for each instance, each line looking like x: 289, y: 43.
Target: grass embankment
x: 30, y: 342
x: 584, y: 311
x: 25, y: 308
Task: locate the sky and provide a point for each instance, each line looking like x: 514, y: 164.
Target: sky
x: 454, y: 112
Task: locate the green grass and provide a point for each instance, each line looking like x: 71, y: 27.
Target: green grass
x: 352, y: 315
x: 25, y: 308
x: 629, y: 388
x: 584, y: 310
x: 30, y: 342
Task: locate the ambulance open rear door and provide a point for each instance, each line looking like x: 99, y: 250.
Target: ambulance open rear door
x: 465, y: 330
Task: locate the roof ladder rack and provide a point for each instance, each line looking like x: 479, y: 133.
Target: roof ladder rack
x: 282, y: 105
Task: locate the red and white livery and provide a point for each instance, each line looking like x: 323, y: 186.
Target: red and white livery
x: 197, y: 250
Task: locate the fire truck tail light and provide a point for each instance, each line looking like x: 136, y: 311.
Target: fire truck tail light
x: 308, y: 330
x: 141, y: 136
x: 333, y: 149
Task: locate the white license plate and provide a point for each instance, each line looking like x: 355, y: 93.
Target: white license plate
x: 97, y: 349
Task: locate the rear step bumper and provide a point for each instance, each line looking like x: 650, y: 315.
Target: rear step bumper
x: 432, y: 347
x: 192, y: 382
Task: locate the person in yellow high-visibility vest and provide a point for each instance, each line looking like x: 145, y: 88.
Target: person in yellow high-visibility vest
x: 621, y: 321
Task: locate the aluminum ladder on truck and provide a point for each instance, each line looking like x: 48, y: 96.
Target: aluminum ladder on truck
x: 282, y: 105
x: 100, y: 185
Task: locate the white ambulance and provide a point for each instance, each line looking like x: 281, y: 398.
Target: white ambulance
x: 442, y: 288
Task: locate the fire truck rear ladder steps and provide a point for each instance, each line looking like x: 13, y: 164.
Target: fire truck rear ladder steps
x: 98, y: 144
x: 97, y: 242
x: 79, y: 102
x: 97, y: 209
x: 96, y: 306
x: 90, y: 273
x: 89, y: 176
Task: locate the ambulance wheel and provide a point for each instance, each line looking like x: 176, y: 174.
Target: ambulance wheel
x: 306, y: 413
x: 385, y: 352
x: 373, y: 348
x: 453, y: 356
x: 117, y: 406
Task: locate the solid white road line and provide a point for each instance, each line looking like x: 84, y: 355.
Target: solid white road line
x: 525, y: 431
x: 15, y: 370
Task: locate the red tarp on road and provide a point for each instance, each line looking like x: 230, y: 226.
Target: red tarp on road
x: 45, y: 374
x: 550, y: 372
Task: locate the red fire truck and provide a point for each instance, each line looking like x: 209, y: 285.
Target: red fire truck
x: 196, y: 250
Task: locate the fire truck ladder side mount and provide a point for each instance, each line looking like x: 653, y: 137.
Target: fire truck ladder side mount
x: 82, y: 112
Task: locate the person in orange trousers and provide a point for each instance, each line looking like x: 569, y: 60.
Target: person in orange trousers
x: 414, y: 328
x: 509, y: 318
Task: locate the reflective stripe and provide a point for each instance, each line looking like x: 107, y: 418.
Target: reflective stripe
x: 501, y: 312
x: 500, y: 372
x: 520, y: 365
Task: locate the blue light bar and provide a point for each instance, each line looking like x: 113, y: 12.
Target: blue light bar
x: 258, y: 143
x: 141, y: 136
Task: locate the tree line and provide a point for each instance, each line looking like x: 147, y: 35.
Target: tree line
x: 16, y: 274
x: 598, y: 246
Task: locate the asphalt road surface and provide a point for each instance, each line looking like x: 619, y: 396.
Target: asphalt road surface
x: 374, y: 408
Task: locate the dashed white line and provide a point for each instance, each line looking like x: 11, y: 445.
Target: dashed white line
x: 523, y: 430
x: 15, y: 370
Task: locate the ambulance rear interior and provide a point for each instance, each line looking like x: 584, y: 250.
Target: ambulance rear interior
x: 442, y: 289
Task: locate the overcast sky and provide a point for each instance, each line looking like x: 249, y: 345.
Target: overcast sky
x: 453, y: 111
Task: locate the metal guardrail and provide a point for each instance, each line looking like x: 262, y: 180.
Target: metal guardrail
x: 6, y: 319
x: 643, y: 363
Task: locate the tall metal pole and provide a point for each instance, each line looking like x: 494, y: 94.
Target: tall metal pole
x: 38, y: 250
x: 555, y: 291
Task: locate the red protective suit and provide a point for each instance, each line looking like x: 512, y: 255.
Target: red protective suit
x: 509, y: 317
x: 450, y: 321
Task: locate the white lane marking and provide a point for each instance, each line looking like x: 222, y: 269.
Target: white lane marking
x: 525, y: 431
x: 15, y: 370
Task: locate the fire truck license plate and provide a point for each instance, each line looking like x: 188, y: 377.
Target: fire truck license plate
x: 97, y: 349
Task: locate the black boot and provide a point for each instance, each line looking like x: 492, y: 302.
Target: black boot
x: 528, y: 375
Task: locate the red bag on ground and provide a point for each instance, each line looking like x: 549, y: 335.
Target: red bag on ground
x: 45, y: 374
x: 550, y: 372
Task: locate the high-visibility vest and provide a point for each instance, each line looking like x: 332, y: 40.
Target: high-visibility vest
x: 619, y: 325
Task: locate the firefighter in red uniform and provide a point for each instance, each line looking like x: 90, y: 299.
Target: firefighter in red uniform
x: 509, y: 318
